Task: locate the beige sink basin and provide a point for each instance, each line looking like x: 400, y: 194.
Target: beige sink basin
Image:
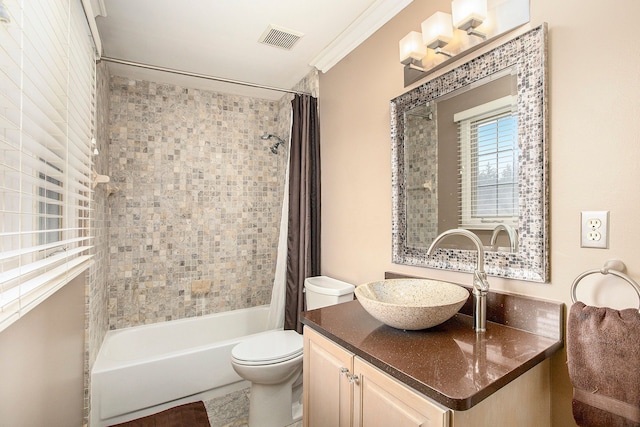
x: 411, y: 303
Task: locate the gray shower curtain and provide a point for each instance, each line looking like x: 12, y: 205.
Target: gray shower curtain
x: 303, y: 240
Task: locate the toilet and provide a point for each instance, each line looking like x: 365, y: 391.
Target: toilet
x: 272, y: 361
x: 321, y: 291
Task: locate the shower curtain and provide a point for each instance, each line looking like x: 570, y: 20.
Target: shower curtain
x: 276, y: 309
x: 299, y: 241
x: 303, y: 242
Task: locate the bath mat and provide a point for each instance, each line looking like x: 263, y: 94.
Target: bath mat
x: 189, y: 415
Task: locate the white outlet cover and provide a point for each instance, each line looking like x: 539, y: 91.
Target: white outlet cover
x: 594, y: 229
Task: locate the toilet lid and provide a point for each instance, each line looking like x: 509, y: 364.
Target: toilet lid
x: 268, y: 348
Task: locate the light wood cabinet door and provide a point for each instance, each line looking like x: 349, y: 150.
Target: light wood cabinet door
x: 328, y: 396
x: 381, y: 401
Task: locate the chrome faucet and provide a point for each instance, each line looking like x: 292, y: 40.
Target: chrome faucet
x: 511, y: 232
x: 480, y: 284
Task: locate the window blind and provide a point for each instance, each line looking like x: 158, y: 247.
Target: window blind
x: 488, y: 163
x: 47, y: 89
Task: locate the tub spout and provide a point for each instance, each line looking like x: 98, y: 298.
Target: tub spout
x: 480, y: 284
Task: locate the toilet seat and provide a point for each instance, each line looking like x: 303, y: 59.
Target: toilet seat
x: 268, y: 348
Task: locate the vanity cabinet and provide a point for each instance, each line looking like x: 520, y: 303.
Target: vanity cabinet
x: 327, y: 392
x: 342, y: 390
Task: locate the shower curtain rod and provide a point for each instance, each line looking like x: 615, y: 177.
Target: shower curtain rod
x: 198, y: 75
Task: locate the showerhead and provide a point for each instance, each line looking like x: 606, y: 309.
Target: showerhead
x: 270, y: 135
x: 274, y: 147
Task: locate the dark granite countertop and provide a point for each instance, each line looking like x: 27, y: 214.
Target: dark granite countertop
x: 449, y: 363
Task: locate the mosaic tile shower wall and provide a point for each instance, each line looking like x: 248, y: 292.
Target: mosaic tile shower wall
x: 421, y: 153
x: 193, y: 228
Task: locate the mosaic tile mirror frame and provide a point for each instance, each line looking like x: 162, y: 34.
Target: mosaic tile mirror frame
x: 525, y: 57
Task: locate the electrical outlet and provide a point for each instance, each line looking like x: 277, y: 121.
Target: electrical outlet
x: 594, y: 229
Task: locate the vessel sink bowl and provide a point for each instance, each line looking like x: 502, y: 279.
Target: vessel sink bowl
x: 411, y: 304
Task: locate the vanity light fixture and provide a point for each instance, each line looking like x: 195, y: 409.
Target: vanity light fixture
x: 468, y: 15
x: 437, y: 32
x: 412, y: 50
x: 482, y: 19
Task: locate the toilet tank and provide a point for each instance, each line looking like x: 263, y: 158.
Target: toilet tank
x: 321, y: 291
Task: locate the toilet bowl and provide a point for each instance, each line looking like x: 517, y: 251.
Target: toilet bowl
x: 272, y: 361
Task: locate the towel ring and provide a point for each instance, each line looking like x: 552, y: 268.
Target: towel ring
x: 611, y: 267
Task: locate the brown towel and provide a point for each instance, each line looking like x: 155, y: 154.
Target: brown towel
x: 603, y: 354
x: 189, y: 415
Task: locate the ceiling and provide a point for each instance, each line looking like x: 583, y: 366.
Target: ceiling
x: 221, y: 38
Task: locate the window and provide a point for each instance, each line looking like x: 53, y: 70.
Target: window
x: 50, y: 209
x: 488, y: 136
x: 47, y: 70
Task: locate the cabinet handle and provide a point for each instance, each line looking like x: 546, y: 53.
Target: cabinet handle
x: 353, y: 379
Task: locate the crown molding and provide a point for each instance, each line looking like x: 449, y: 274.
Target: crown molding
x: 378, y: 14
x: 99, y: 7
x: 93, y: 27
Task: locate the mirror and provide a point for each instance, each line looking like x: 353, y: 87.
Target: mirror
x: 435, y: 184
x: 444, y: 176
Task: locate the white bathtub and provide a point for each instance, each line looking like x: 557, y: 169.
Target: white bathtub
x: 146, y: 369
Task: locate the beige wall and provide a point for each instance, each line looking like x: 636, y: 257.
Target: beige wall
x: 41, y: 357
x: 594, y: 64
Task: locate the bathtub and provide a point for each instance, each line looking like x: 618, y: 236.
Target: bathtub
x: 146, y: 369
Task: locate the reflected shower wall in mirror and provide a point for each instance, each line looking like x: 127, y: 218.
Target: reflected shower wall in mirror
x: 443, y: 181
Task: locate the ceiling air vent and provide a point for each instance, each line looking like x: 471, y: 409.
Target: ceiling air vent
x: 280, y: 37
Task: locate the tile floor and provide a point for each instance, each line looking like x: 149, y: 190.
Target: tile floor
x: 232, y: 410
